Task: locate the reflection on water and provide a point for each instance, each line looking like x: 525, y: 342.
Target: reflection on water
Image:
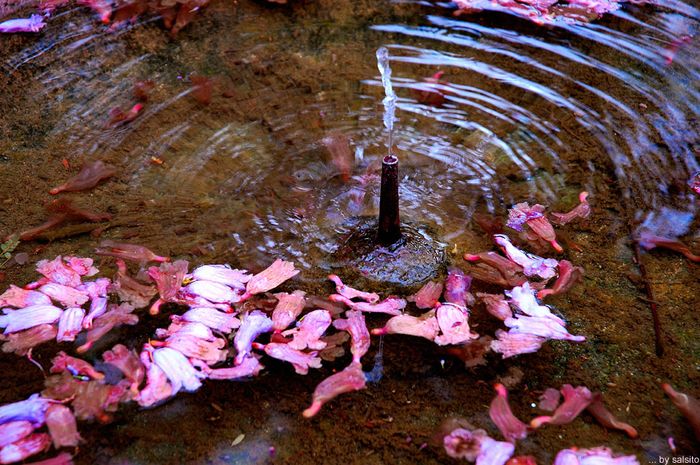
x: 527, y: 113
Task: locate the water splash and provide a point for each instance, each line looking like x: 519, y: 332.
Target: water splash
x: 390, y: 99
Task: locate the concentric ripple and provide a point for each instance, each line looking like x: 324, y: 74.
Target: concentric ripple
x: 525, y: 113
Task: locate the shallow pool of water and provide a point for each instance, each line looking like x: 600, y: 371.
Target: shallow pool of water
x: 530, y: 113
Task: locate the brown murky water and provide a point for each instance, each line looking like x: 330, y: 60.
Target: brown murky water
x: 534, y: 114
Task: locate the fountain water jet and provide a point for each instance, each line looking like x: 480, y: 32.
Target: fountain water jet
x: 386, y: 252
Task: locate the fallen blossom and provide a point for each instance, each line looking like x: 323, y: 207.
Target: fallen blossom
x: 62, y: 211
x: 202, y: 88
x: 454, y: 325
x: 594, y: 456
x: 212, y: 318
x: 168, y: 278
x: 532, y: 264
x: 576, y: 399
x: 250, y: 366
x: 32, y: 24
x: 510, y: 427
x: 523, y: 299
x: 222, y: 274
x: 496, y: 305
x: 495, y: 269
x: 185, y: 328
x: 472, y: 353
x: 186, y: 13
x: 351, y: 293
x: 118, y: 117
x: 142, y: 89
x: 477, y: 446
x: 271, y: 277
x: 253, y: 324
x: 549, y: 400
x: 688, y: 406
x: 300, y: 360
x: 128, y: 362
x: 101, y: 7
x: 352, y: 378
x: 510, y: 344
x: 390, y: 305
x: 178, y: 369
x: 21, y: 342
x: 650, y: 241
x: 98, y: 307
x: 430, y: 91
x: 569, y: 276
x: 359, y: 334
x: 425, y: 326
x: 115, y: 316
x: 56, y: 271
x: 65, y: 295
x: 13, y: 431
x: 130, y: 290
x: 194, y: 347
x: 25, y: 447
x: 20, y: 298
x: 309, y: 329
x: 334, y: 346
x: 541, y: 326
x: 131, y: 252
x: 523, y: 214
x: 428, y: 295
x: 81, y: 265
x: 93, y: 400
x: 33, y: 410
x: 582, y: 210
x: 28, y: 317
x: 457, y: 288
x: 62, y: 426
x: 335, y: 308
x: 211, y: 291
x: 89, y: 176
x: 75, y: 366
x: 97, y: 288
x: 341, y: 156
x: 288, y: 308
x: 606, y: 418
x: 157, y: 387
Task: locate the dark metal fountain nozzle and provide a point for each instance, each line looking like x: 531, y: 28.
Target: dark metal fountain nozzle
x: 389, y: 221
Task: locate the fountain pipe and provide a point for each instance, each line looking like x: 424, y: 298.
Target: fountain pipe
x: 389, y: 221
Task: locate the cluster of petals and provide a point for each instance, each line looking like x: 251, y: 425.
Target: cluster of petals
x: 59, y: 306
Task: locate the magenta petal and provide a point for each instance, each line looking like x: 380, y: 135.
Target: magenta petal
x: 350, y: 379
x: 510, y: 427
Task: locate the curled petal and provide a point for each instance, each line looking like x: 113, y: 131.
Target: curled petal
x: 300, y: 360
x: 288, y: 308
x: 510, y: 427
x: 351, y: 293
x: 359, y: 334
x: 575, y: 401
x: 425, y: 326
x: 350, y: 379
x: 254, y: 324
x: 428, y: 295
x: 606, y: 418
x: 689, y: 407
x: 271, y: 277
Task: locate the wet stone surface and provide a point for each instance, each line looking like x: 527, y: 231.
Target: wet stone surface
x: 404, y: 266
